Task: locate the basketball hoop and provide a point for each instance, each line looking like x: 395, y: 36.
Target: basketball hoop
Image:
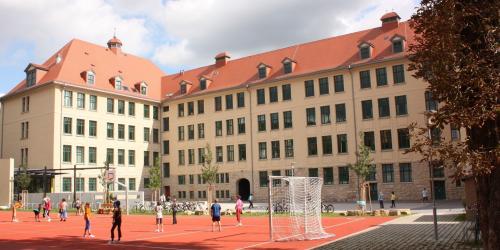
x: 110, y: 175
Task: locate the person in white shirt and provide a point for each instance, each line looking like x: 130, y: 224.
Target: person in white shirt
x: 159, y: 217
x: 425, y: 197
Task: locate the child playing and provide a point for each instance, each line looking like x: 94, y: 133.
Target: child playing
x: 117, y: 222
x: 159, y: 217
x: 37, y: 212
x: 86, y: 217
x: 239, y: 210
x: 46, y: 208
x: 63, y: 213
x: 15, y: 206
x: 215, y: 213
x: 78, y: 206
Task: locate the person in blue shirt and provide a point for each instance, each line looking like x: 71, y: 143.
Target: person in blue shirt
x: 215, y: 213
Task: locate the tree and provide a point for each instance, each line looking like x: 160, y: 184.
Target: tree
x: 104, y: 182
x: 209, y: 172
x: 23, y: 179
x: 362, y: 168
x: 155, y: 177
x: 456, y: 52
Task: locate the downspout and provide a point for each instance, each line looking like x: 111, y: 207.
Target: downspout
x: 60, y: 135
x: 355, y: 121
x: 251, y: 137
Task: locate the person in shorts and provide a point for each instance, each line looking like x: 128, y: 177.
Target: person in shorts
x: 159, y: 217
x: 86, y: 217
x: 215, y: 210
x: 37, y: 212
x: 78, y: 206
x: 425, y: 196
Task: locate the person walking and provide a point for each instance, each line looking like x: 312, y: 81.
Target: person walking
x: 239, y: 210
x: 63, y: 207
x: 381, y: 199
x: 393, y: 200
x: 78, y: 206
x: 37, y: 212
x: 46, y: 208
x: 215, y: 210
x: 117, y: 222
x: 174, y: 211
x: 159, y: 217
x: 250, y: 200
x: 86, y: 217
x: 425, y: 196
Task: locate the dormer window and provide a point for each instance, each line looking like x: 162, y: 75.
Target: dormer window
x: 31, y: 78
x: 397, y: 44
x: 144, y: 89
x: 118, y: 83
x: 263, y: 70
x: 90, y: 77
x: 183, y: 89
x: 288, y: 65
x: 185, y: 86
x: 203, y: 84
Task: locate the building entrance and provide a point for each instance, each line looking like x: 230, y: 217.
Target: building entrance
x: 243, y: 188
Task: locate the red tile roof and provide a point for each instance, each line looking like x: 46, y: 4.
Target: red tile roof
x: 334, y: 52
x: 79, y: 56
x: 389, y: 15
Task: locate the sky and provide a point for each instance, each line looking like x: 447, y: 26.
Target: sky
x: 177, y: 34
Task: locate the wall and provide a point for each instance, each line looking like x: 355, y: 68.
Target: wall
x: 6, y: 177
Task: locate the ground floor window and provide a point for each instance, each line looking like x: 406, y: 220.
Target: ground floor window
x: 263, y: 178
x: 80, y: 187
x: 92, y: 184
x: 66, y: 184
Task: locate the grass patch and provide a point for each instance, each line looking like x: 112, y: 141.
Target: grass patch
x: 460, y: 217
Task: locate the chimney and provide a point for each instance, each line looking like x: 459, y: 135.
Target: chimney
x: 390, y: 20
x: 115, y: 45
x: 221, y: 59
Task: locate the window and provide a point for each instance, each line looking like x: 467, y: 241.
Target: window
x: 131, y: 157
x: 121, y: 156
x: 287, y: 119
x: 229, y: 127
x: 286, y: 91
x: 262, y: 150
x: 323, y: 86
x: 311, y: 116
x: 435, y: 136
x: 313, y: 172
x: 218, y: 103
x: 397, y: 45
x: 372, y: 173
x: 327, y: 144
x: 263, y: 178
x: 287, y: 67
x: 343, y: 175
x: 401, y: 108
x: 455, y: 132
x: 121, y: 107
x: 180, y: 110
x: 437, y: 170
x: 229, y: 101
x: 261, y: 96
x: 369, y: 140
x: 364, y: 52
x: 166, y: 147
x: 383, y: 107
x: 201, y: 155
x: 166, y: 170
x: 67, y: 125
x: 118, y: 84
x: 385, y: 139
x: 80, y: 154
x: 218, y: 128
x: 146, y: 111
x: 328, y: 176
x: 367, y: 109
x: 381, y: 75
x: 261, y: 122
x: 131, y: 133
x: 110, y: 130
x: 203, y: 84
x: 430, y: 104
x: 289, y: 148
x: 92, y: 184
x: 181, y: 179
x: 219, y: 157
x: 156, y: 135
x: 131, y: 109
x: 342, y: 143
x: 110, y: 107
x: 230, y: 152
x: 201, y: 130
x: 190, y: 132
x: 68, y: 98
x: 191, y: 181
x: 110, y: 155
x: 166, y: 124
x: 398, y: 72
x: 309, y: 88
x: 146, y: 134
x: 146, y: 158
x: 67, y: 184
x: 191, y: 159
x: 240, y: 99
x: 325, y: 115
x: 273, y: 94
x: 180, y: 133
x: 275, y: 149
x: 146, y: 184
x: 340, y: 112
x: 201, y: 107
x: 242, y: 152
x: 121, y: 131
x: 338, y: 83
x: 312, y: 146
x: 80, y: 127
x: 90, y: 77
x: 364, y: 78
x: 80, y: 100
x: 31, y: 78
x: 403, y: 138
x: 275, y: 122
x: 387, y: 173
x: 155, y: 112
x: 131, y: 184
x: 24, y: 130
x: 241, y: 125
x: 92, y: 155
x: 93, y: 103
x: 262, y: 72
x: 26, y: 104
x: 405, y: 172
x: 24, y: 156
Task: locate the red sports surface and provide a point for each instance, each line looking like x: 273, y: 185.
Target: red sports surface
x: 191, y: 232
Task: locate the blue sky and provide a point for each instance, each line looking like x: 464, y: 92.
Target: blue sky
x: 177, y: 34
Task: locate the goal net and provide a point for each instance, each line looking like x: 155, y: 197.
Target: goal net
x: 295, y: 208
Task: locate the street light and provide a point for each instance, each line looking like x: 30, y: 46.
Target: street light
x: 430, y: 125
x: 293, y: 168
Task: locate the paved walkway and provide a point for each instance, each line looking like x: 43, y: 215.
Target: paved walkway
x: 408, y: 232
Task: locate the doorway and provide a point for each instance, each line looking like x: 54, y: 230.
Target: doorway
x: 440, y: 190
x: 373, y: 191
x: 243, y: 188
x: 167, y: 191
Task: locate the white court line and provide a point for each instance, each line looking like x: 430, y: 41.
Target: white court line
x: 145, y: 246
x: 267, y: 242
x: 168, y: 235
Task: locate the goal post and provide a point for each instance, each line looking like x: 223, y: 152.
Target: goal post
x: 295, y: 208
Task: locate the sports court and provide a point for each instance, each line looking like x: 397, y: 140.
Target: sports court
x: 191, y: 232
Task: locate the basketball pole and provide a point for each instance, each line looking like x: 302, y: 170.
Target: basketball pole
x: 269, y: 183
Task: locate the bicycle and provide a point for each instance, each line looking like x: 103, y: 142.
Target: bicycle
x: 327, y: 208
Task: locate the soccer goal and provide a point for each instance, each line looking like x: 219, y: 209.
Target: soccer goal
x: 295, y: 208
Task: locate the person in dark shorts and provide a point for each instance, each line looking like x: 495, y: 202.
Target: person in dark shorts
x: 117, y: 222
x: 37, y: 212
x: 215, y: 213
x: 174, y: 211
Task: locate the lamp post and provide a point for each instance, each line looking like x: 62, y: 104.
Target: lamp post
x: 430, y: 126
x: 293, y: 168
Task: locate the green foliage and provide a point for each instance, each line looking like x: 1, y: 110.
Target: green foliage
x: 209, y: 171
x: 363, y: 163
x: 155, y: 176
x: 23, y: 179
x: 104, y: 183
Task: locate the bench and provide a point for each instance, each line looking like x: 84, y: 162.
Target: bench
x: 105, y: 208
